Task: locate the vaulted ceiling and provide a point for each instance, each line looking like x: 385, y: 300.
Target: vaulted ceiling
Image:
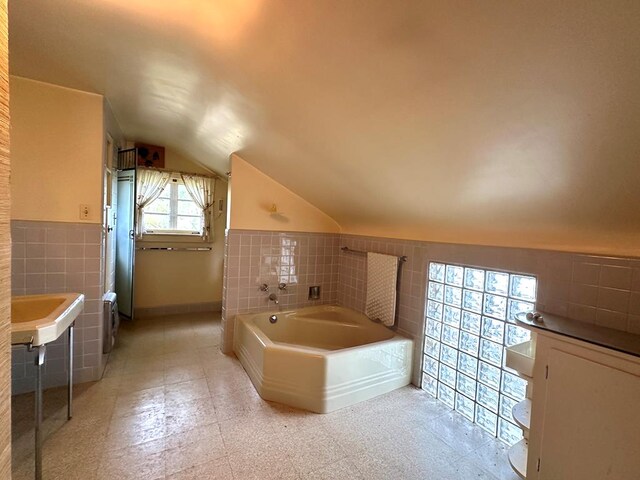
x: 503, y: 122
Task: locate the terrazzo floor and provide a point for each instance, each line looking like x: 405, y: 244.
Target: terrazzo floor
x: 171, y: 406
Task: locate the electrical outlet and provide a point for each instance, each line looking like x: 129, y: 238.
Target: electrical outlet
x: 84, y: 212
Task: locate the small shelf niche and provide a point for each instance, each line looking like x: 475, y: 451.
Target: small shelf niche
x: 521, y: 357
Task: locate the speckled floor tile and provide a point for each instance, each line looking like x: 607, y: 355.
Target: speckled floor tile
x: 185, y: 391
x: 138, y: 402
x: 371, y: 467
x: 312, y: 449
x: 187, y: 415
x: 238, y: 404
x: 148, y: 419
x: 248, y: 433
x: 144, y: 461
x: 218, y: 469
x: 492, y: 459
x: 269, y: 463
x: 186, y: 455
x: 227, y: 383
x: 171, y: 406
x: 287, y: 419
x: 344, y: 469
x: 202, y: 434
x: 140, y: 381
x: 183, y: 373
x: 459, y: 433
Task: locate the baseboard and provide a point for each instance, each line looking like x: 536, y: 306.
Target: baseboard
x: 162, y: 310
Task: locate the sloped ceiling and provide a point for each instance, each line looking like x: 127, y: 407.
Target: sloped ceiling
x: 500, y: 122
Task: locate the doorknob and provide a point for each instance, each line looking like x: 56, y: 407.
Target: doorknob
x: 132, y: 234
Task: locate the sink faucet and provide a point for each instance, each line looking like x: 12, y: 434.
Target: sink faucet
x: 274, y: 298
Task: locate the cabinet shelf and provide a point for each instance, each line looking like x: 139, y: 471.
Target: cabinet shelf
x: 521, y: 358
x: 518, y: 458
x: 522, y: 413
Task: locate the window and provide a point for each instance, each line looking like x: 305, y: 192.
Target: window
x: 469, y: 320
x: 173, y: 212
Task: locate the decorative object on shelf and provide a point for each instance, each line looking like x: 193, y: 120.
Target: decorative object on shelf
x: 150, y: 155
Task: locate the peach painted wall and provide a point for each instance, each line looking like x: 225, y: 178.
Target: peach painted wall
x: 57, y: 150
x: 537, y: 236
x: 252, y: 194
x: 179, y: 278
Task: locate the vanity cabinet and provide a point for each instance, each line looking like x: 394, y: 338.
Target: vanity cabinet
x: 585, y: 407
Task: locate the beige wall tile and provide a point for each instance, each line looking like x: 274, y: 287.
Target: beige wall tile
x: 616, y: 277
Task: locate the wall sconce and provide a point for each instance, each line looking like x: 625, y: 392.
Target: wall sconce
x: 273, y: 210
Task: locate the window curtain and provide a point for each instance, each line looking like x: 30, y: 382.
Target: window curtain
x: 202, y: 192
x: 149, y: 186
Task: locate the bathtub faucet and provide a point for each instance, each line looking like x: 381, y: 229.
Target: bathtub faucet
x: 273, y: 297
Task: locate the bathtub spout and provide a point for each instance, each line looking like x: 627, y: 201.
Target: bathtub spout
x: 274, y: 298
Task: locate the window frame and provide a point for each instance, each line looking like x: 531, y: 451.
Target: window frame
x: 174, y: 201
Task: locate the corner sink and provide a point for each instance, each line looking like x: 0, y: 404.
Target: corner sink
x: 40, y: 319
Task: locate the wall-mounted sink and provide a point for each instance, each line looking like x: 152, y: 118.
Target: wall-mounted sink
x: 40, y: 319
x: 35, y: 321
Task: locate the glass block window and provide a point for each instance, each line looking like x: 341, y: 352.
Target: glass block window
x: 469, y: 321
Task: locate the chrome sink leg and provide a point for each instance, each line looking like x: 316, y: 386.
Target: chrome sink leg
x: 39, y: 361
x: 70, y: 374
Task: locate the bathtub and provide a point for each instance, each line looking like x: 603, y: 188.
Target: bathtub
x: 321, y: 358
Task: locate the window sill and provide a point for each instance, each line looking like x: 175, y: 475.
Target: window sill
x: 171, y: 233
x: 171, y: 239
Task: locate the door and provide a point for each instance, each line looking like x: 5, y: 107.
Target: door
x: 591, y: 421
x: 125, y: 234
x: 109, y: 220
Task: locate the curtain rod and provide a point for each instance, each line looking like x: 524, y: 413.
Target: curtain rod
x: 169, y: 170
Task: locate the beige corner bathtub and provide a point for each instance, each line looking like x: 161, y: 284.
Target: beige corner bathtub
x: 321, y: 358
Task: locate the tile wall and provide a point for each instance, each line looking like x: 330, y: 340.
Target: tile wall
x: 52, y: 257
x: 254, y: 257
x: 594, y: 289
